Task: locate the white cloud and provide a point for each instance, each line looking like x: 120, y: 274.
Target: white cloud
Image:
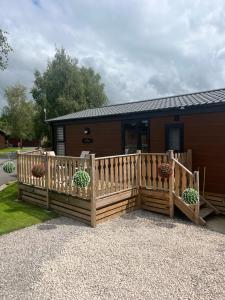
x: 141, y: 48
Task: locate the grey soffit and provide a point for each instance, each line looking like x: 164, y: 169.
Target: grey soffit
x: 173, y: 102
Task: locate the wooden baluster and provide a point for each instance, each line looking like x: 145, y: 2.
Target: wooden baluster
x: 116, y: 174
x: 128, y: 172
x: 97, y: 177
x: 112, y: 172
x: 160, y: 184
x: 124, y: 172
x: 183, y: 180
x: 132, y: 170
x: 149, y: 171
x: 143, y: 175
x: 154, y: 171
x: 177, y: 180
x: 107, y: 175
x: 120, y: 174
x: 102, y: 176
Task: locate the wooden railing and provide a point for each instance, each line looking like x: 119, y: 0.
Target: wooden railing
x: 111, y: 174
x: 59, y: 172
x: 116, y: 173
x: 185, y: 158
x: 149, y: 171
x: 183, y: 179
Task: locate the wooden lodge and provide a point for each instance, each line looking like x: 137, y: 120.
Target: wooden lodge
x: 123, y: 179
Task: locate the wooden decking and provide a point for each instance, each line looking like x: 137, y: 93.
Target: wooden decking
x: 119, y: 184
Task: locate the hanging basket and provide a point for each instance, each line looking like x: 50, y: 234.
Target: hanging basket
x: 165, y: 170
x: 38, y: 171
x: 81, y: 179
x: 190, y: 196
x: 9, y: 167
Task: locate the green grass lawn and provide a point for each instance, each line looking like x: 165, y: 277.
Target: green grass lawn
x: 15, y: 214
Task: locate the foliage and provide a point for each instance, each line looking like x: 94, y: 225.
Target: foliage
x: 63, y: 88
x: 190, y: 196
x: 165, y: 170
x: 81, y: 179
x: 5, y: 48
x: 15, y: 215
x: 19, y: 113
x: 9, y: 167
x: 38, y: 171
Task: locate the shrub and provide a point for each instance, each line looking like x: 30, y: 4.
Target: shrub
x: 38, y: 171
x: 190, y: 196
x: 165, y: 170
x: 81, y: 179
x: 9, y: 167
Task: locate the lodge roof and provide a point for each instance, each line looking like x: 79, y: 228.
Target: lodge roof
x: 192, y: 100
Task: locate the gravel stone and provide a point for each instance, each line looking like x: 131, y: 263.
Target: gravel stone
x: 138, y: 256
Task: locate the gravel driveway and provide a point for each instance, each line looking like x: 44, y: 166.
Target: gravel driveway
x: 139, y: 256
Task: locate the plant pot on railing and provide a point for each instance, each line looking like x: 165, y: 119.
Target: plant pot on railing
x: 190, y: 196
x: 81, y: 179
x: 165, y: 170
x: 38, y: 171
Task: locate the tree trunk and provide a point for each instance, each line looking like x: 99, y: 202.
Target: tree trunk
x: 21, y: 143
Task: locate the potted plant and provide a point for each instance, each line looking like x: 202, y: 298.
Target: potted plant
x: 165, y: 170
x: 190, y: 196
x: 38, y: 171
x: 81, y: 179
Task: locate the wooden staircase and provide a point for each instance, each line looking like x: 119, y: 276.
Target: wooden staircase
x: 196, y: 215
x: 184, y: 178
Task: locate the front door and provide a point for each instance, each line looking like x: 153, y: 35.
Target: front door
x: 136, y: 136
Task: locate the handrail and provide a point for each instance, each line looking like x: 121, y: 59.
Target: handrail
x: 188, y: 171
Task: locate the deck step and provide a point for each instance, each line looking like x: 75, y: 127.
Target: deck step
x: 204, y: 212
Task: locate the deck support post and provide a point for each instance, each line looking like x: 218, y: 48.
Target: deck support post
x: 93, y: 190
x: 171, y: 184
x: 139, y: 179
x: 196, y: 186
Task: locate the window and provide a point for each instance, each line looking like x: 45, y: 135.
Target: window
x: 174, y: 137
x: 60, y: 143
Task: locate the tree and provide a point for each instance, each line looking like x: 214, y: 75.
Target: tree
x: 64, y: 88
x: 5, y: 48
x: 19, y: 113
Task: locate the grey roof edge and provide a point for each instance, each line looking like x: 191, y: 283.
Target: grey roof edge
x: 62, y: 118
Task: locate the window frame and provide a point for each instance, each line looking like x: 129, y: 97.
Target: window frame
x: 167, y: 128
x: 56, y: 141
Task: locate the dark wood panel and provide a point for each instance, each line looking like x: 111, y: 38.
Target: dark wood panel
x: 106, y: 138
x: 205, y: 135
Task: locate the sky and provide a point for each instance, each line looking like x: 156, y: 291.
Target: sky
x: 142, y: 48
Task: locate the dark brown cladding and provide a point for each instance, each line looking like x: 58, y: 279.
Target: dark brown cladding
x: 104, y: 138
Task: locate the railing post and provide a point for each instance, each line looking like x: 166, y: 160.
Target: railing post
x: 196, y: 186
x: 47, y: 180
x: 93, y: 190
x: 139, y: 179
x: 171, y: 184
